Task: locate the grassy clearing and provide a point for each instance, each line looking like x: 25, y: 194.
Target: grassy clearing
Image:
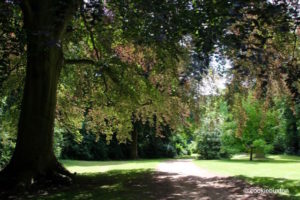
x: 105, y: 180
x: 116, y: 184
x: 274, y: 166
x: 192, y: 156
x: 274, y: 172
x: 104, y: 166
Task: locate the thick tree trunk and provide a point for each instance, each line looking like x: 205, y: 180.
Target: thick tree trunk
x: 134, y: 144
x: 34, y: 157
x: 34, y: 147
x: 251, y: 153
x: 292, y: 132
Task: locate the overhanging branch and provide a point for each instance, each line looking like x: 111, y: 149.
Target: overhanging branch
x: 79, y: 62
x: 89, y: 29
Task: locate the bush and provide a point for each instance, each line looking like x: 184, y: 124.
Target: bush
x: 169, y: 151
x: 87, y: 149
x: 192, y: 147
x: 152, y: 146
x: 261, y: 148
x: 279, y: 144
x: 180, y: 144
x: 149, y: 145
x: 230, y: 145
x: 209, y: 145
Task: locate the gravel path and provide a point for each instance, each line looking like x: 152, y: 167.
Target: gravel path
x: 182, y: 179
x: 184, y: 168
x: 172, y: 180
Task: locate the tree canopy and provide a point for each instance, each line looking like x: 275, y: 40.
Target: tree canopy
x: 104, y: 66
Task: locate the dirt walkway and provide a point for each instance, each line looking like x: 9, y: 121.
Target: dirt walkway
x: 172, y: 180
x: 182, y: 179
x: 184, y: 168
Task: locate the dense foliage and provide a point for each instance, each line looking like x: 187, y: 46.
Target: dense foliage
x: 149, y: 146
x: 248, y: 126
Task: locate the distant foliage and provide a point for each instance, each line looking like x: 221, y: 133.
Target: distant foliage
x: 209, y: 134
x: 254, y: 125
x: 246, y: 125
x: 209, y: 145
x: 262, y: 147
x: 150, y: 145
x: 86, y: 149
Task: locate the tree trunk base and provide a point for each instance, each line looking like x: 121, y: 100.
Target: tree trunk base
x: 22, y: 181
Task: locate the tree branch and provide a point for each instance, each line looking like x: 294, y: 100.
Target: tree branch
x: 79, y: 62
x: 149, y: 102
x: 88, y: 28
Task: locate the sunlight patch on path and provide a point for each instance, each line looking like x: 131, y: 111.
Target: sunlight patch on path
x: 184, y: 167
x: 182, y: 179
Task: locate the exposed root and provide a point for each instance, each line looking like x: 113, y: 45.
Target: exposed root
x: 62, y: 170
x: 56, y: 175
x: 16, y: 182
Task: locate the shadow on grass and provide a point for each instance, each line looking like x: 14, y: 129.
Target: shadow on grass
x: 76, y: 163
x: 108, y: 185
x: 258, y: 161
x: 293, y: 186
x: 268, y: 159
x: 148, y: 185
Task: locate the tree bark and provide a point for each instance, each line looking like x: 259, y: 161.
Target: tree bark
x: 134, y: 144
x: 251, y: 153
x: 45, y: 23
x: 292, y: 133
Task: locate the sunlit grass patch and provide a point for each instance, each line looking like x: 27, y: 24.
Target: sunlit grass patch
x: 276, y: 171
x: 104, y: 166
x: 279, y: 166
x: 292, y: 186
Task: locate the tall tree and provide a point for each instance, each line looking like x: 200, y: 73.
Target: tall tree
x: 267, y: 59
x: 46, y: 24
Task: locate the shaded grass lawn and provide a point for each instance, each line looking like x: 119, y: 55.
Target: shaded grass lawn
x: 104, y: 180
x: 274, y: 172
x: 104, y: 166
x: 116, y: 184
